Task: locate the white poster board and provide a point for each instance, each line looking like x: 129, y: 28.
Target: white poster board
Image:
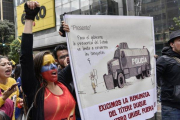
x: 113, y: 66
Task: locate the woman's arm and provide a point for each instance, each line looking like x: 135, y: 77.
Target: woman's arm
x: 7, y: 94
x: 26, y: 59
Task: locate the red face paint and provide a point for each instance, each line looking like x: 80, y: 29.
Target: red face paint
x: 49, y: 69
x: 50, y: 75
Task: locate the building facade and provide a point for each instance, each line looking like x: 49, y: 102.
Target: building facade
x: 6, y: 10
x: 164, y: 13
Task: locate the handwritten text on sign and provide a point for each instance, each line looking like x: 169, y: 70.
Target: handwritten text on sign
x: 86, y: 43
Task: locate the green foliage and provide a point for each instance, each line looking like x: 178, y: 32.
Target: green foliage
x: 177, y: 21
x: 15, y: 50
x: 6, y: 36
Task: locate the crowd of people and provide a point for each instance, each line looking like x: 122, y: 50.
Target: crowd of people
x: 41, y: 87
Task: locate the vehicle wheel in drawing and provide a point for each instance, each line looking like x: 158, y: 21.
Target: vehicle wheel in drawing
x: 138, y: 76
x: 142, y: 75
x: 121, y: 80
x: 147, y: 73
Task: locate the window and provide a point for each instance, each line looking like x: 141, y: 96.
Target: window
x: 74, y: 5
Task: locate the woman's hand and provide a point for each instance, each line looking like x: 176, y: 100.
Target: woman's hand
x: 8, y: 92
x: 31, y: 8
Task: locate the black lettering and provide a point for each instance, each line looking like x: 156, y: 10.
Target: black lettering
x: 23, y: 19
x: 37, y: 17
x: 42, y: 9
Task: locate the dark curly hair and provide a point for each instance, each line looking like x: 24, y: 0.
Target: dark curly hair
x: 38, y: 62
x: 57, y: 48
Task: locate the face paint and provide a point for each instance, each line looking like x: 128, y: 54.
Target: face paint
x: 49, y: 69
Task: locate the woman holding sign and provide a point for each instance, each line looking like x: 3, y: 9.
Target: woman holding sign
x: 48, y: 98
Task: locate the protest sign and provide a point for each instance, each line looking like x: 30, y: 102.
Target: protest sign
x: 113, y: 66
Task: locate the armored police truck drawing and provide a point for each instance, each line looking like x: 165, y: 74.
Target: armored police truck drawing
x: 127, y: 62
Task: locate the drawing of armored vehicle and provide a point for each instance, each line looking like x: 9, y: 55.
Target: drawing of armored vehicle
x: 127, y: 62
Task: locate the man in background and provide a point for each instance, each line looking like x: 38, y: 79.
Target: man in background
x: 62, y: 58
x: 168, y: 75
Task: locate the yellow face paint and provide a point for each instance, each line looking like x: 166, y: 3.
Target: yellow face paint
x: 49, y: 69
x: 48, y: 59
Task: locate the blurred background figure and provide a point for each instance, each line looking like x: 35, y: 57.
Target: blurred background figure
x: 19, y: 110
x: 13, y: 68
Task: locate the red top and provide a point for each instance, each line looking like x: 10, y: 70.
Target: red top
x: 59, y: 107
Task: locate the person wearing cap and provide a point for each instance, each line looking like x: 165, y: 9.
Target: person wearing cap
x: 168, y: 74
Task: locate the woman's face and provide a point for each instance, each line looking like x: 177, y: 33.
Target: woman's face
x: 49, y: 69
x: 5, y: 68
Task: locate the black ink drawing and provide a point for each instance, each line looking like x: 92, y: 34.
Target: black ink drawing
x: 93, y: 76
x: 89, y: 61
x: 127, y: 62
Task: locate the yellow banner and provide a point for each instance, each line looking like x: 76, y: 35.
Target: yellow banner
x: 44, y: 20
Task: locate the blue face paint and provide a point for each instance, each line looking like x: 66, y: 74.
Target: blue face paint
x: 48, y: 67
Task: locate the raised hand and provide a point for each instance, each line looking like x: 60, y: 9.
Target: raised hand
x: 31, y: 8
x: 66, y: 61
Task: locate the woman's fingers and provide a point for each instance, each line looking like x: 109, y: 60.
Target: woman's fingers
x: 32, y: 4
x: 28, y: 4
x: 37, y: 4
x: 14, y: 89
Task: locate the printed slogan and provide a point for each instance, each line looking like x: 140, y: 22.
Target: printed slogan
x: 125, y: 105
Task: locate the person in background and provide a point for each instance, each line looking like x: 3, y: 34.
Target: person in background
x: 6, y: 82
x: 7, y: 109
x: 62, y: 58
x: 19, y: 109
x: 3, y: 116
x: 13, y: 70
x: 168, y: 76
